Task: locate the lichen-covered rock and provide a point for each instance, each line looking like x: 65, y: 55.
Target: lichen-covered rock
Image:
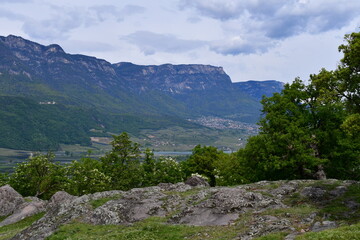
x: 133, y: 206
x: 178, y: 187
x: 61, y: 212
x: 58, y: 198
x: 26, y: 209
x: 338, y: 191
x: 202, y: 206
x: 264, y: 225
x: 221, y: 206
x: 321, y: 226
x: 10, y: 200
x: 313, y: 193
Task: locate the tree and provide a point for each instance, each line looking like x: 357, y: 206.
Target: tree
x: 167, y: 170
x: 3, y: 179
x: 308, y: 128
x: 231, y: 170
x: 122, y: 164
x: 85, y: 176
x: 203, y: 161
x: 38, y: 176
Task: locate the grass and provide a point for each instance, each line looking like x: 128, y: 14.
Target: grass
x: 338, y: 210
x: 7, y: 232
x: 298, y: 212
x: 184, y: 194
x: 99, y: 202
x: 153, y: 228
x: 342, y: 233
x: 273, y: 236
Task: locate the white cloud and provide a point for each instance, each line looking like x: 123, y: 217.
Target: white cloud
x: 150, y: 43
x: 275, y: 20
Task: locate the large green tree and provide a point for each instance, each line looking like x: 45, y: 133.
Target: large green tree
x: 122, y: 163
x: 307, y: 128
x: 204, y: 160
x: 38, y: 176
x: 86, y: 176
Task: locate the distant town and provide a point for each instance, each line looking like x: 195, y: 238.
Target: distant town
x: 222, y: 123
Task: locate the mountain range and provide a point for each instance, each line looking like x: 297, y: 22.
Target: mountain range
x: 50, y: 97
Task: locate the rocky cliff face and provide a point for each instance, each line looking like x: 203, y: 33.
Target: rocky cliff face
x: 57, y: 68
x: 293, y: 207
x: 174, y: 79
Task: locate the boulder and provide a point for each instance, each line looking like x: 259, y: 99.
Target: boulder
x: 10, y: 200
x: 196, y: 181
x: 321, y: 226
x: 58, y: 198
x: 26, y: 209
x: 313, y: 193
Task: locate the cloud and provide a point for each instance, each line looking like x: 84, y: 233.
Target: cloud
x: 88, y: 46
x: 104, y: 12
x: 11, y: 15
x: 60, y: 21
x: 15, y: 1
x: 129, y: 10
x: 237, y: 46
x: 150, y: 43
x: 57, y: 27
x: 271, y: 20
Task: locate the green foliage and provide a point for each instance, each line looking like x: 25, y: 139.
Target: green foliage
x: 86, y: 176
x: 3, y: 179
x: 38, y: 176
x: 26, y: 124
x: 231, y: 170
x: 307, y: 128
x: 122, y: 164
x: 203, y: 160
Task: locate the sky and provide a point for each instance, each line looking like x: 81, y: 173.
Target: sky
x: 251, y: 39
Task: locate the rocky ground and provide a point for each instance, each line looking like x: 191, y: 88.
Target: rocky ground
x: 258, y: 209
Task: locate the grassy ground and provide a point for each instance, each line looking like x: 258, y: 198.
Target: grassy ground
x: 342, y: 233
x: 9, y: 231
x: 151, y: 229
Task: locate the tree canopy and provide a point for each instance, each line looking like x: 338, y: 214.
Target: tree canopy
x: 308, y: 128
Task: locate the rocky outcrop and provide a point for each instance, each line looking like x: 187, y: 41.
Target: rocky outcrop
x: 10, y: 200
x: 260, y: 208
x: 25, y: 210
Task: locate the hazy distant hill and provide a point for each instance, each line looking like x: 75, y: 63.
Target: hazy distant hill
x: 91, y: 93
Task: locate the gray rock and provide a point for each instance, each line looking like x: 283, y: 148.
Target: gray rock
x: 135, y: 205
x: 62, y: 209
x: 338, y: 191
x: 178, y: 187
x: 10, y: 200
x: 58, y: 198
x: 263, y: 225
x: 197, y: 181
x: 313, y: 193
x: 320, y: 226
x: 185, y: 204
x: 222, y: 206
x: 26, y: 209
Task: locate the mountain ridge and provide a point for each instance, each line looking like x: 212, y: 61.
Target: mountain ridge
x: 142, y: 92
